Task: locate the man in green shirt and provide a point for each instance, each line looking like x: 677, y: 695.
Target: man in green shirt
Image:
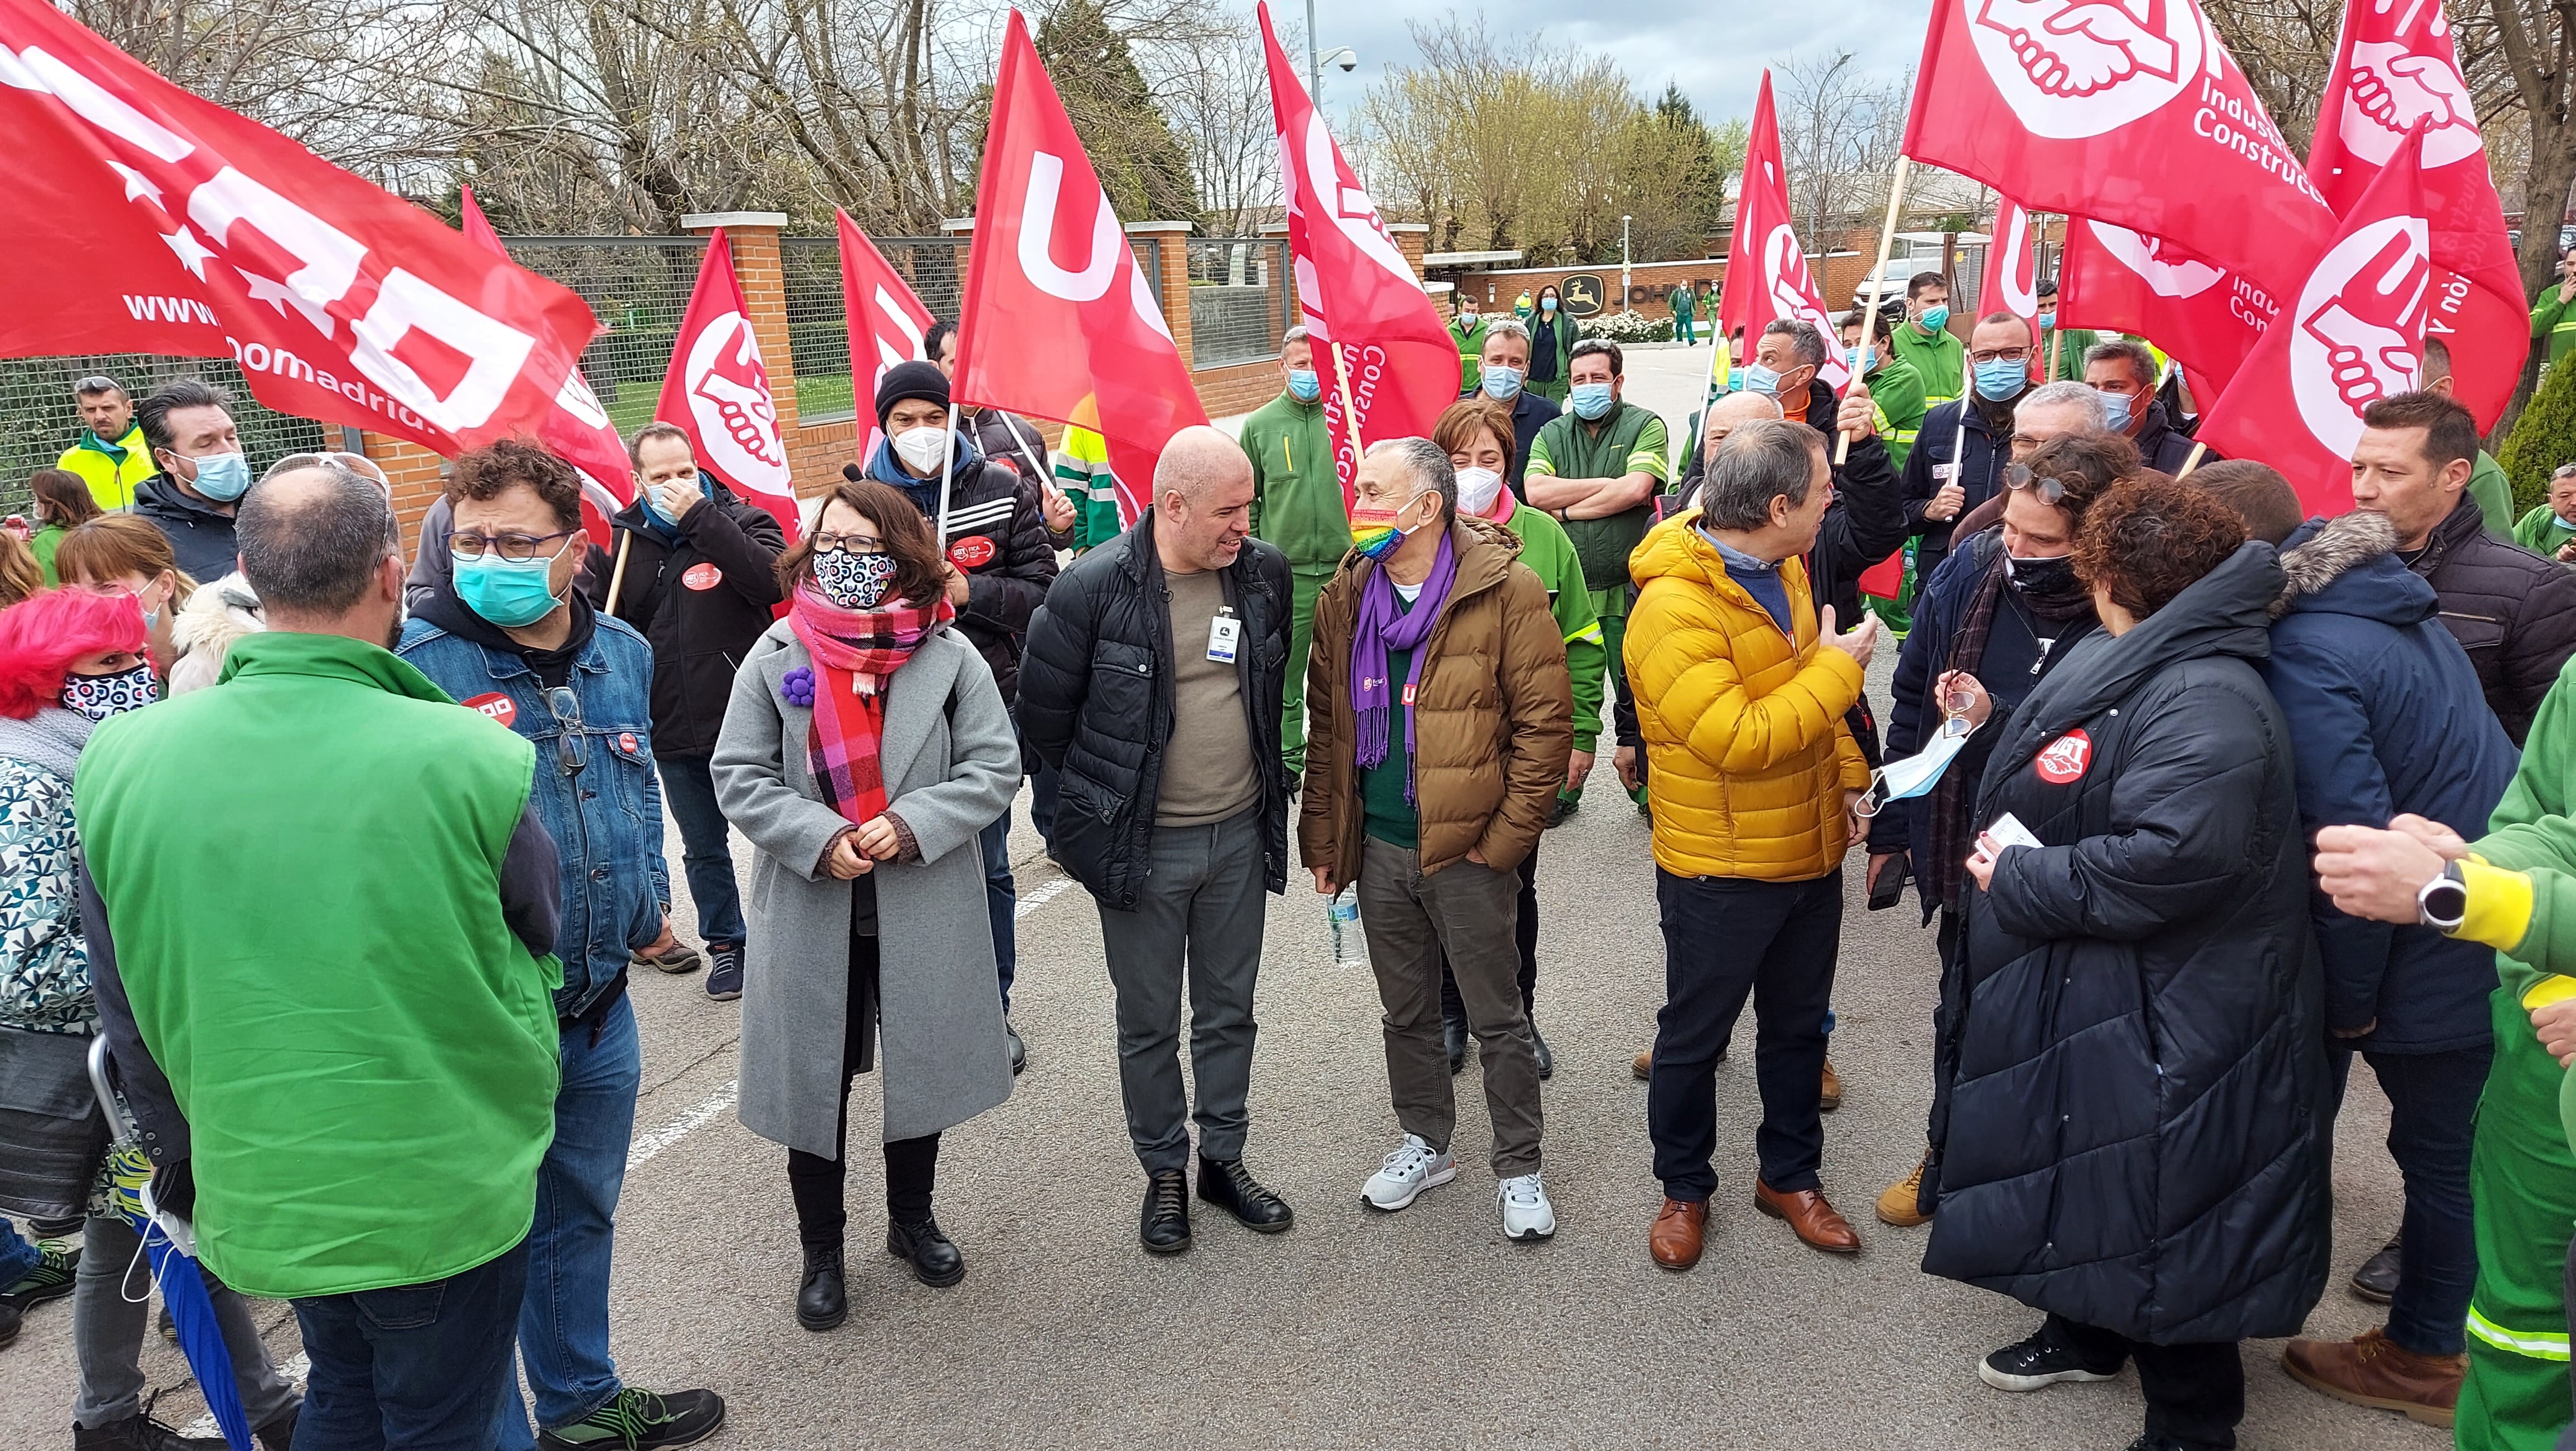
x: 1925, y: 339
x: 110, y: 469
x: 1596, y: 469
x: 1894, y: 386
x: 2550, y: 318
x: 360, y: 1033
x: 1683, y: 304
x: 1297, y: 506
x: 1467, y: 330
x: 2550, y: 528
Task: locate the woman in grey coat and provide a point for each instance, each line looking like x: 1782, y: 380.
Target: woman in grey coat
x: 865, y: 746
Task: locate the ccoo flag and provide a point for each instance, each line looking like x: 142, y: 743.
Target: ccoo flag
x: 886, y: 320
x: 2199, y: 312
x: 718, y: 391
x: 1766, y: 269
x: 2012, y: 271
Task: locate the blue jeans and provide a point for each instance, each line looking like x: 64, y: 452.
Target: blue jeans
x: 563, y: 1321
x: 17, y: 1256
x: 2432, y: 1101
x: 1001, y: 901
x: 706, y: 848
x: 413, y: 1368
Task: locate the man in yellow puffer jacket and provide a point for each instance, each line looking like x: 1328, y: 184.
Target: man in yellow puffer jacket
x: 1741, y: 692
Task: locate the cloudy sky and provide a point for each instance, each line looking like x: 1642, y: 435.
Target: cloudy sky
x: 1716, y: 53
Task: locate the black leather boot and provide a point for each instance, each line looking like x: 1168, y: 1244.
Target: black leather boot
x: 935, y: 1260
x: 1165, y: 1226
x: 821, y: 1302
x: 1229, y: 1186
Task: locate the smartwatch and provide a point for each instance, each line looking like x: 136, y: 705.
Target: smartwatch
x: 2443, y: 903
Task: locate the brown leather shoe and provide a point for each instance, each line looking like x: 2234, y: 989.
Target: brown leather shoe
x: 1679, y: 1229
x: 1818, y: 1223
x: 1644, y: 1064
x: 2372, y: 1370
x: 1830, y: 1096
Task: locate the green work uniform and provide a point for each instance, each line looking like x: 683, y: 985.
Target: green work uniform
x: 362, y: 1045
x: 1082, y: 472
x: 1297, y: 504
x: 110, y: 469
x: 2554, y: 321
x: 2541, y: 531
x: 1470, y: 338
x: 2069, y: 366
x: 1627, y: 440
x: 45, y: 541
x: 1683, y: 307
x: 1898, y: 391
x: 1938, y: 358
x: 2494, y: 493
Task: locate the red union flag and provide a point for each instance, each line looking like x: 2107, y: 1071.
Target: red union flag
x: 1038, y: 337
x: 2395, y: 71
x: 578, y: 428
x: 147, y: 220
x: 2201, y: 313
x: 887, y: 322
x: 2353, y: 334
x: 2012, y: 271
x: 2129, y: 111
x: 1766, y: 269
x: 718, y: 391
x: 1359, y: 297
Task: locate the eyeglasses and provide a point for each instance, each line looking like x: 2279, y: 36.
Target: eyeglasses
x: 2000, y: 355
x: 572, y: 745
x: 827, y: 542
x: 517, y: 548
x: 2047, y: 490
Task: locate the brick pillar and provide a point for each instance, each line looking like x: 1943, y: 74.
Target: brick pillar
x: 1172, y: 277
x: 416, y: 474
x: 1411, y: 238
x: 763, y: 277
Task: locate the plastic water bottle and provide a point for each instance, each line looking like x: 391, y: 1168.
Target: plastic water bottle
x: 1343, y: 913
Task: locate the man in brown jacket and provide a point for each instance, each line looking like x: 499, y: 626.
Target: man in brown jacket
x: 1439, y: 716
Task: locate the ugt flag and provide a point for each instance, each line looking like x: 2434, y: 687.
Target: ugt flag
x: 1367, y: 311
x: 2012, y: 271
x: 1766, y: 270
x: 718, y: 391
x: 2353, y: 334
x: 2197, y: 311
x: 145, y: 220
x: 2396, y: 69
x: 886, y: 320
x: 1037, y: 336
x: 578, y: 428
x: 2128, y: 111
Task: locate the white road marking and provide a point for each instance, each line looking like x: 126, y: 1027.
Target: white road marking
x: 1031, y: 901
x: 646, y: 1146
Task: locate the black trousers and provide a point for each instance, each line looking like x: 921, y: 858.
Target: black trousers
x: 818, y: 1184
x: 2195, y: 1393
x: 1453, y: 1009
x: 1727, y: 938
x: 1945, y: 1055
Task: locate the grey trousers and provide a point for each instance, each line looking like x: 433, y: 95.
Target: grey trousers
x: 108, y: 1330
x: 1470, y: 912
x: 1201, y: 912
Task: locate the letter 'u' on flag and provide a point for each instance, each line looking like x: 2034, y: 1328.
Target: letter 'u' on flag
x: 1057, y: 317
x: 1766, y: 269
x: 2012, y: 271
x: 161, y: 223
x: 886, y: 320
x: 718, y: 391
x: 2351, y: 335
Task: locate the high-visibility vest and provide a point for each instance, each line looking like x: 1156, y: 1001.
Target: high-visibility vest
x: 111, y: 480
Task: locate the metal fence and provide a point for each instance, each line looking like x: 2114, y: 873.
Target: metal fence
x: 1239, y: 299
x: 639, y: 287
x: 39, y: 418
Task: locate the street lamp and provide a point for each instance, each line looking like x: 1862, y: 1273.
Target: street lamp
x: 1624, y: 284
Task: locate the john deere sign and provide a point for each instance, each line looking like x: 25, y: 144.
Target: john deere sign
x: 1583, y: 294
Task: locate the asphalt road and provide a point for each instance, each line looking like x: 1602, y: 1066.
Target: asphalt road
x: 1424, y: 1328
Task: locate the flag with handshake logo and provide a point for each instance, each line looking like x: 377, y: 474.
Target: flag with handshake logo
x: 718, y: 390
x: 162, y: 223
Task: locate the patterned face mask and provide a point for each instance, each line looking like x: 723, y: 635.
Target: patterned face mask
x: 853, y: 581
x: 101, y: 696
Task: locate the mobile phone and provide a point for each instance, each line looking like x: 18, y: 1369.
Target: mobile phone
x: 1888, y: 887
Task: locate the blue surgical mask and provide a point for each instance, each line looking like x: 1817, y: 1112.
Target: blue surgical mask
x: 2115, y: 412
x: 1759, y: 379
x: 1735, y: 378
x: 1589, y: 400
x: 2002, y: 380
x: 508, y: 592
x: 1547, y: 304
x: 1304, y: 385
x: 1502, y: 384
x: 2048, y: 319
x: 222, y: 477
x: 1936, y: 318
x: 1860, y: 360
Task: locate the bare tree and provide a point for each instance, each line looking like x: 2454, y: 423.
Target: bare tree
x: 1839, y: 136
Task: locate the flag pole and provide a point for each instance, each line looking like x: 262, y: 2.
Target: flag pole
x: 2193, y: 461
x: 1350, y: 414
x: 2056, y: 348
x: 1877, y: 275
x: 947, y: 471
x: 617, y: 575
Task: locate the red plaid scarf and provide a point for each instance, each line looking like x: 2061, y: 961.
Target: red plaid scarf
x: 854, y: 652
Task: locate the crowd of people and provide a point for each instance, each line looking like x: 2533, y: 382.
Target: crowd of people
x: 2200, y: 799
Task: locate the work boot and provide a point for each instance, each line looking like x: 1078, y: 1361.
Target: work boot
x: 1829, y: 1095
x: 1902, y: 1204
x: 2376, y: 1280
x: 2372, y: 1370
x: 822, y: 1299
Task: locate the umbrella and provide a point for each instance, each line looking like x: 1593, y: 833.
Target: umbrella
x: 171, y: 1243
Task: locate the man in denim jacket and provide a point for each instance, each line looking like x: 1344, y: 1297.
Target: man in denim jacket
x: 505, y: 632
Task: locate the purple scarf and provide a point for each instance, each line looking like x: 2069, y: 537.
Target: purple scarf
x: 1385, y: 625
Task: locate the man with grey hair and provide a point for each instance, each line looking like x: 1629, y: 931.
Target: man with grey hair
x: 360, y: 1029
x: 1152, y: 681
x: 1502, y: 372
x: 1296, y: 509
x: 2124, y: 371
x: 1443, y: 712
x: 1743, y: 688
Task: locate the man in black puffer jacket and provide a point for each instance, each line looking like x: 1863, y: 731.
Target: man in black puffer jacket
x: 2513, y: 611
x: 1153, y: 685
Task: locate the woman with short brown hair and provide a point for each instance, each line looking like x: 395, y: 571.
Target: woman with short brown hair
x: 128, y: 554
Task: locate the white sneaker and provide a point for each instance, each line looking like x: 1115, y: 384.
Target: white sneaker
x: 1406, y: 1173
x: 1526, y: 1212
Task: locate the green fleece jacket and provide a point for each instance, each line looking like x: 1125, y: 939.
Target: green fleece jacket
x: 1897, y: 391
x: 2539, y: 531
x: 2494, y: 493
x: 1941, y: 359
x: 1550, y: 555
x: 2522, y: 879
x: 2554, y: 321
x: 1296, y: 492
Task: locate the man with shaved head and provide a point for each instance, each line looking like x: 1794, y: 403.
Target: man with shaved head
x: 1152, y: 682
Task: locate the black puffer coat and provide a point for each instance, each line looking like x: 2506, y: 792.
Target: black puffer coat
x: 2513, y: 611
x: 700, y: 601
x: 1096, y: 702
x: 2138, y: 1132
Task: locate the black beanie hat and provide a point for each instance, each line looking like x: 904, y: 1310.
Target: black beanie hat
x: 915, y: 379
